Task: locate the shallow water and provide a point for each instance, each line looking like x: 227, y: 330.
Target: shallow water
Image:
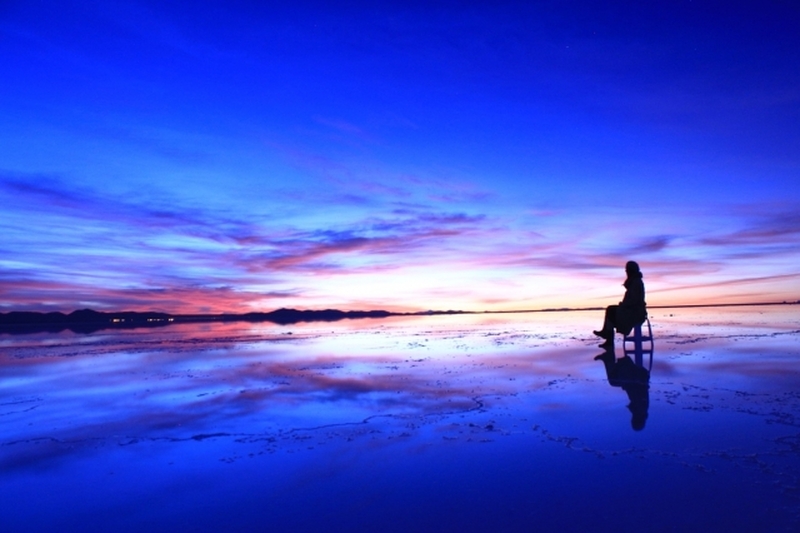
x: 451, y: 423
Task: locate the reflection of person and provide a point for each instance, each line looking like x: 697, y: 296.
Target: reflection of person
x: 634, y: 380
x: 630, y: 312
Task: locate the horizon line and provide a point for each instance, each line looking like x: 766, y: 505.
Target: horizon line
x: 429, y: 311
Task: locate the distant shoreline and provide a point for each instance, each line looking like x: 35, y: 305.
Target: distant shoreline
x: 88, y: 321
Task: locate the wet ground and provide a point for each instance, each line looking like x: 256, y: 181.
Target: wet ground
x: 452, y: 423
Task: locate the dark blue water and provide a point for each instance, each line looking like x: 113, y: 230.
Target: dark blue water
x: 496, y: 422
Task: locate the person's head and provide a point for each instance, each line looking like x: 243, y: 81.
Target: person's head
x: 638, y: 420
x: 632, y: 269
x: 638, y: 409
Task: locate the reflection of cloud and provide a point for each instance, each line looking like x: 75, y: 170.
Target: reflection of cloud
x: 191, y: 380
x: 174, y: 402
x: 257, y: 384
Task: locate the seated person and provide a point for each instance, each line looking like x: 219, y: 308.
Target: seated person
x: 630, y: 312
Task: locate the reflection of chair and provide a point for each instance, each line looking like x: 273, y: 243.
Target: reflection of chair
x: 642, y: 344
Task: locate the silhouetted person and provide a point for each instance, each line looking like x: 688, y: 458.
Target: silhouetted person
x: 634, y: 380
x: 630, y: 312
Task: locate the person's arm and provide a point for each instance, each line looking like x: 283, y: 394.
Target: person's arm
x: 634, y: 295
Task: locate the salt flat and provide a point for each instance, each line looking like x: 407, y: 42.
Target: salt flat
x: 449, y: 423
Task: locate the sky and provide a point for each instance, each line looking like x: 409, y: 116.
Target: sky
x: 233, y: 156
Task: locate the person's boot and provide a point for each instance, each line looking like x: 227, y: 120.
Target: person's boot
x: 609, y: 344
x: 606, y: 356
x: 603, y: 333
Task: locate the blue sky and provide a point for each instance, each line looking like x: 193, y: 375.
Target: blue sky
x: 237, y: 156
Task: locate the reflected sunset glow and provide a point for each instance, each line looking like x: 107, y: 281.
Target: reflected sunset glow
x: 444, y: 420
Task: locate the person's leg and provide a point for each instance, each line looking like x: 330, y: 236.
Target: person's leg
x: 609, y: 361
x: 609, y: 322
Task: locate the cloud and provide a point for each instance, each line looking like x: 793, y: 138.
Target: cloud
x: 373, y: 240
x: 202, y: 383
x: 20, y: 293
x: 138, y: 251
x: 151, y: 142
x: 733, y: 282
x: 649, y: 245
x: 106, y: 251
x: 384, y: 186
x: 773, y: 233
x: 50, y: 195
x: 342, y: 126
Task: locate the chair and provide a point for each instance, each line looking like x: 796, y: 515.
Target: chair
x: 642, y: 344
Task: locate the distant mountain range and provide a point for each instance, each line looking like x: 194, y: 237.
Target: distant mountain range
x: 88, y: 320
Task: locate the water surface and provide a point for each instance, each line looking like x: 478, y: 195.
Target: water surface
x: 450, y: 423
